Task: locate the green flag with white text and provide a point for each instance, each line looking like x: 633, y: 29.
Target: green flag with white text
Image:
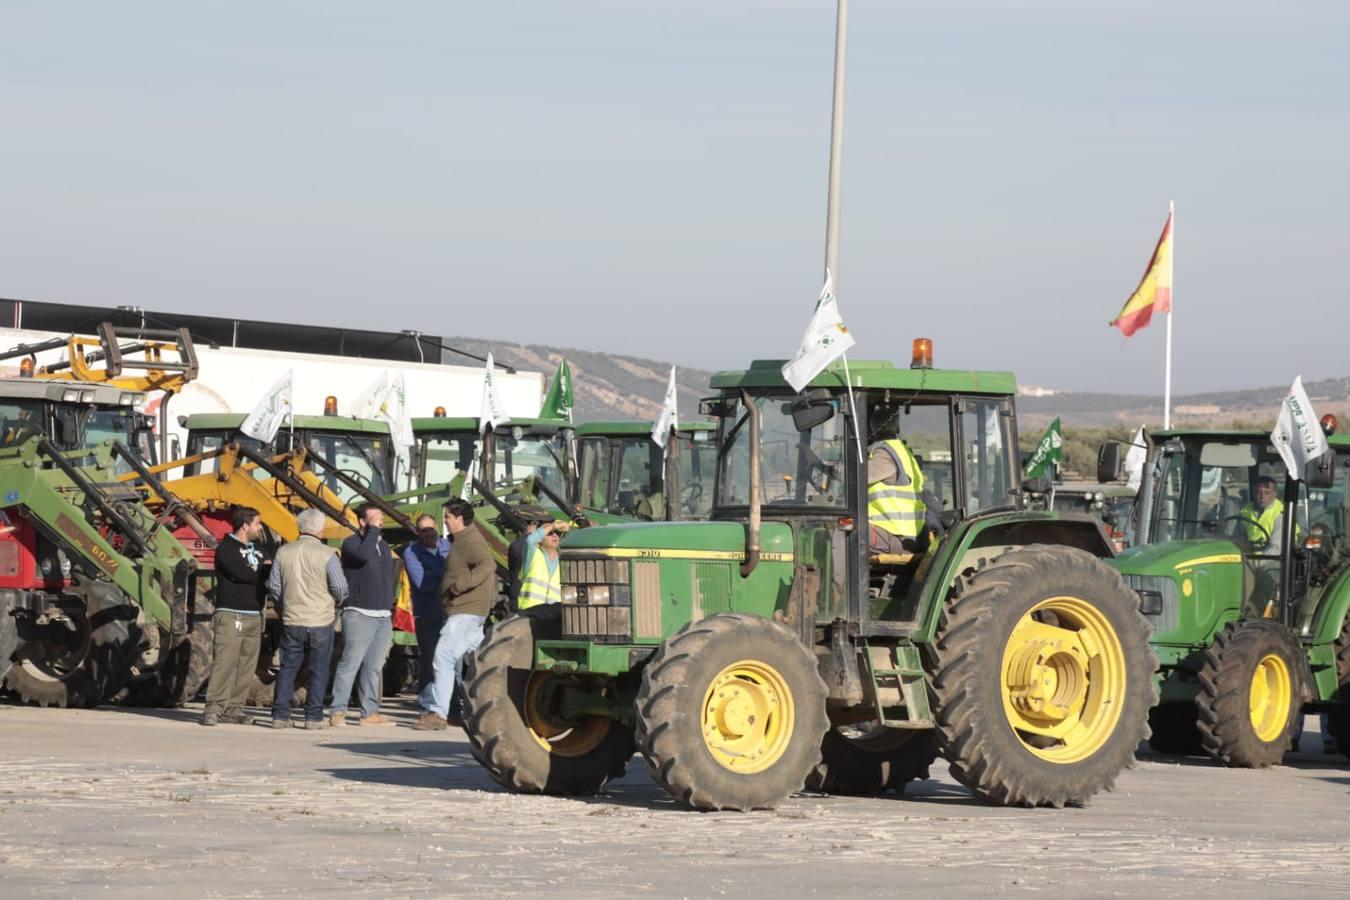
x: 1048, y: 450
x: 558, y: 400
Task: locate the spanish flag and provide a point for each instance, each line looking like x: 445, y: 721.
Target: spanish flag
x: 1154, y: 293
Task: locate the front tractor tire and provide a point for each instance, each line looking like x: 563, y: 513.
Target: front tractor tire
x: 731, y: 714
x: 83, y: 660
x: 1252, y: 688
x: 515, y: 731
x: 1042, y: 678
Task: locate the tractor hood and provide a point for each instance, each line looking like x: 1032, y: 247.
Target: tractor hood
x: 1173, y: 557
x: 724, y: 539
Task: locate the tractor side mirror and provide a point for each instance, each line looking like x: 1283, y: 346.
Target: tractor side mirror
x: 811, y: 409
x: 68, y: 428
x: 1110, y: 462
x: 1321, y: 473
x: 715, y: 407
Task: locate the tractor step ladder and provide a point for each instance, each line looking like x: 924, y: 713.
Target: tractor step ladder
x: 896, y: 674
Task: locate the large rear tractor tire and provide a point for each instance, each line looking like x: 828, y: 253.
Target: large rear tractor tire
x: 871, y: 761
x: 1042, y: 678
x: 1173, y: 728
x: 731, y: 714
x: 516, y: 731
x: 83, y: 660
x: 1252, y: 688
x: 1338, y: 719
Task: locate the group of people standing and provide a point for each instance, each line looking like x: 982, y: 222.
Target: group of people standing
x: 454, y: 588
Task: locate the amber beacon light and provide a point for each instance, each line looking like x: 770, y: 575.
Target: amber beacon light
x: 330, y: 405
x: 922, y: 357
x: 1328, y: 423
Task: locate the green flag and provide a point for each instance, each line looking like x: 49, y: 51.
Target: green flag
x: 1048, y: 450
x: 558, y: 400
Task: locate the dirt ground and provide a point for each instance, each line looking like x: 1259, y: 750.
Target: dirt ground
x: 119, y: 802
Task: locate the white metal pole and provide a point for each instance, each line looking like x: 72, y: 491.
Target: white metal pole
x: 836, y: 146
x: 1167, y: 366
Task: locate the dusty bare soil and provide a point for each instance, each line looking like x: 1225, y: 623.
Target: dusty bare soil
x: 122, y: 802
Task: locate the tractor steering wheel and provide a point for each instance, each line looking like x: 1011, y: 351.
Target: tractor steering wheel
x: 1243, y: 535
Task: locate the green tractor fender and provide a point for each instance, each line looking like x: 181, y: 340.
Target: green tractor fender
x: 984, y: 538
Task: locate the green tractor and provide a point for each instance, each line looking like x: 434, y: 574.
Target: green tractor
x: 1251, y: 627
x: 768, y: 650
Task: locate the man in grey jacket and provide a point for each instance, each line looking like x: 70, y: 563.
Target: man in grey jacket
x: 308, y: 584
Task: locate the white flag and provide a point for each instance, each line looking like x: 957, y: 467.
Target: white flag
x: 466, y: 487
x: 1135, y: 458
x: 826, y: 340
x: 271, y: 412
x: 670, y: 416
x: 492, y: 411
x: 1298, y: 436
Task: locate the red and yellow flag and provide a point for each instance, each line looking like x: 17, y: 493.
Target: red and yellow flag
x: 1154, y: 293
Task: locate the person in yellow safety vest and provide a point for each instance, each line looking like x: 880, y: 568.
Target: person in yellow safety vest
x: 896, y: 510
x: 541, y: 577
x: 1263, y: 522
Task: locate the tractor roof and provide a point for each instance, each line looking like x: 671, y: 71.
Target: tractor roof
x: 434, y: 424
x: 634, y: 428
x: 343, y: 424
x: 61, y: 391
x: 767, y: 373
x: 1336, y: 441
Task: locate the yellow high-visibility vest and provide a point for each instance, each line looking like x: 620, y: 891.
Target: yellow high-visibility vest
x: 539, y: 586
x: 1258, y: 537
x: 897, y: 508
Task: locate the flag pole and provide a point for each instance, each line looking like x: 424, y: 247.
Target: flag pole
x: 1167, y: 365
x: 853, y: 409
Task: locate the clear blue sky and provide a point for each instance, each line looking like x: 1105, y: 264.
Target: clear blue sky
x: 649, y: 178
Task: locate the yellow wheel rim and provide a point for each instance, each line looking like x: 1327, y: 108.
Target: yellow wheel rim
x: 747, y: 716
x: 1270, y: 698
x: 566, y: 739
x: 1063, y: 680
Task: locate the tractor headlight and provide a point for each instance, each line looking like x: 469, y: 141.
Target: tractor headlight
x: 1150, y: 603
x: 598, y: 595
x: 65, y: 567
x: 46, y: 566
x: 569, y: 593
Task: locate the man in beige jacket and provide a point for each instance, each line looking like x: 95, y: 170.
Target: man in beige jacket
x: 308, y: 584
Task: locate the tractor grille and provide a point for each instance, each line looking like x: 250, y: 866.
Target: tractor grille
x: 1159, y: 600
x: 596, y: 600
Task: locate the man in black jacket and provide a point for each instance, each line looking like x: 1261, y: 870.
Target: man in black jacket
x: 241, y: 570
x: 367, y: 618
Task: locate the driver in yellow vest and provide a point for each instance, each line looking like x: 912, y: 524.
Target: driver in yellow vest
x: 896, y: 510
x: 1263, y: 520
x: 541, y: 577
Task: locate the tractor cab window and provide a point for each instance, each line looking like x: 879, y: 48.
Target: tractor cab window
x: 362, y: 457
x: 925, y: 428
x: 1215, y: 489
x: 594, y: 467
x: 1328, y: 510
x: 986, y: 447
x: 695, y: 462
x: 445, y: 457
x: 20, y: 421
x: 797, y: 468
x: 639, y: 491
x: 210, y: 441
x: 537, y: 455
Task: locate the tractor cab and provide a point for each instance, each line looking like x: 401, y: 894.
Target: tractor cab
x: 74, y: 416
x: 537, y: 449
x: 801, y: 461
x: 624, y: 474
x: 359, y: 449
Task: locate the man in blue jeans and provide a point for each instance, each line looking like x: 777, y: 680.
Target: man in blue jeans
x: 424, y: 561
x: 367, y: 618
x: 308, y: 583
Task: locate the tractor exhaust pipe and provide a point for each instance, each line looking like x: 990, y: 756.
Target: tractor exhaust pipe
x: 752, y: 525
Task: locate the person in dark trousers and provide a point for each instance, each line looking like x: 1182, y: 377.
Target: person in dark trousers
x: 241, y: 570
x: 367, y: 618
x: 424, y: 561
x: 308, y: 583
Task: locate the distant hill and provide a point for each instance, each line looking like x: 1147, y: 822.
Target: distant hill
x: 604, y: 385
x: 612, y: 386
